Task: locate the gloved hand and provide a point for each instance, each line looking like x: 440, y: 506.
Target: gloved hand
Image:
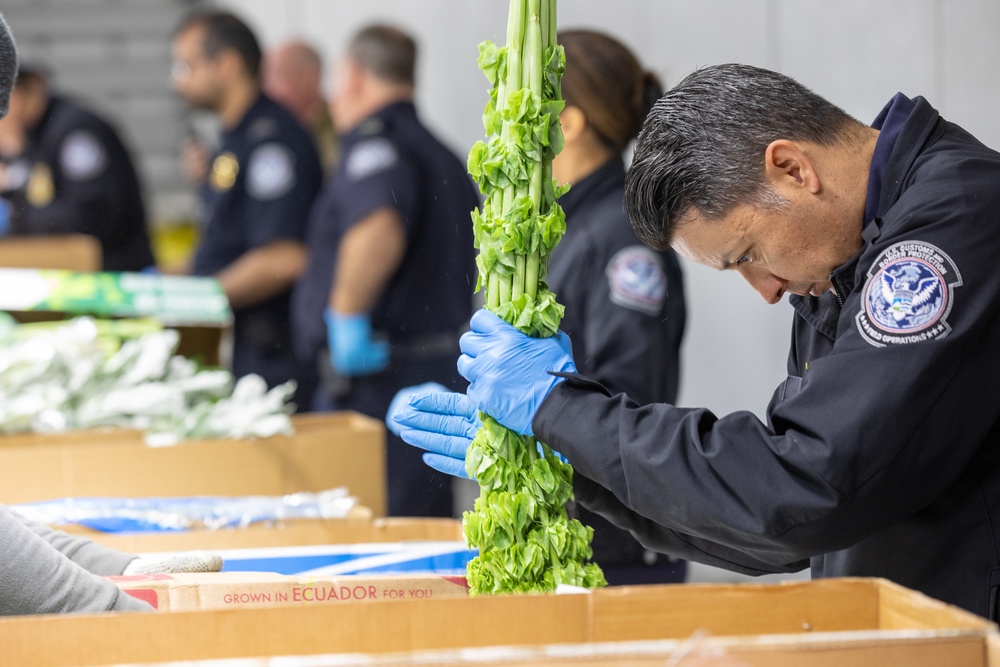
x: 186, y: 561
x: 403, y: 397
x: 443, y: 423
x: 509, y: 371
x: 352, y: 349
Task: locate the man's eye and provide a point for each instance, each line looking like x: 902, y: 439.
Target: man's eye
x: 745, y: 259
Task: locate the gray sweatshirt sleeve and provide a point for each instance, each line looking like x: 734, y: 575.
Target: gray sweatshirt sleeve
x: 89, y: 555
x: 36, y: 579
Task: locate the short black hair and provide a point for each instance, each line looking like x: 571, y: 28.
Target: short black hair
x: 223, y: 30
x: 702, y: 145
x: 387, y: 52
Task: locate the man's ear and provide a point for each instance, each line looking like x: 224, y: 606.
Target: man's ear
x: 786, y: 165
x: 573, y: 122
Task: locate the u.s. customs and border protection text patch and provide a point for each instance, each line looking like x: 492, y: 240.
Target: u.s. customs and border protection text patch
x: 908, y: 295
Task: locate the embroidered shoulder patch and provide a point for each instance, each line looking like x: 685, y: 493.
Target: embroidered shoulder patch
x: 82, y: 156
x: 370, y: 157
x: 637, y: 279
x: 270, y: 171
x: 908, y: 295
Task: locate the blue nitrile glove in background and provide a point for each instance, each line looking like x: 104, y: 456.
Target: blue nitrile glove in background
x: 509, y: 371
x: 403, y: 397
x: 352, y: 349
x: 443, y: 423
x: 4, y: 217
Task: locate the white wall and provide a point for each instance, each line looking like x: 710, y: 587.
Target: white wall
x: 858, y: 53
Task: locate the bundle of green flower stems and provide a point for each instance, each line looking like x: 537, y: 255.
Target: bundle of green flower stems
x: 519, y: 523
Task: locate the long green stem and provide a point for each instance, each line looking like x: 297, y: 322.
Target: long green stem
x: 551, y: 37
x: 517, y: 288
x: 531, y: 276
x: 493, y: 291
x: 505, y: 285
x: 534, y: 55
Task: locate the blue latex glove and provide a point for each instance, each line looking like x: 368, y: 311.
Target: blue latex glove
x: 352, y: 349
x: 509, y: 371
x: 403, y: 397
x: 443, y: 423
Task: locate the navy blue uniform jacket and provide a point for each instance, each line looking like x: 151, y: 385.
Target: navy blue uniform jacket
x: 880, y: 452
x: 81, y: 180
x: 264, y: 178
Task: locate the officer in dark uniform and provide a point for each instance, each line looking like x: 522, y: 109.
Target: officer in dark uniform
x: 391, y: 266
x: 881, y: 453
x: 72, y: 174
x: 256, y: 199
x: 624, y: 302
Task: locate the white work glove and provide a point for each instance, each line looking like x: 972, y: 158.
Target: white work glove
x: 187, y: 561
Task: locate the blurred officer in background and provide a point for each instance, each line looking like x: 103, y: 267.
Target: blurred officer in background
x: 256, y: 198
x: 391, y: 265
x: 293, y: 75
x: 624, y: 302
x: 67, y: 171
x: 45, y: 571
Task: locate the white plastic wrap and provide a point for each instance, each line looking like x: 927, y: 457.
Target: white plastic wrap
x: 54, y: 379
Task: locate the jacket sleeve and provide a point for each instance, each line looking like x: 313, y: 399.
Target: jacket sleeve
x: 664, y: 540
x: 36, y: 579
x: 864, y: 439
x: 91, y: 556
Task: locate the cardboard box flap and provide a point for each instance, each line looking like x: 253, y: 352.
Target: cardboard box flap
x: 791, y: 607
x: 326, y: 451
x: 240, y: 590
x: 923, y: 649
x: 528, y: 620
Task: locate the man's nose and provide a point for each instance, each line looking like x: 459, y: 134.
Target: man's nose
x: 768, y: 285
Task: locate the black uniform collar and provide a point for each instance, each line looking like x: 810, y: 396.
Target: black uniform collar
x: 255, y: 110
x: 36, y: 133
x: 607, y: 178
x: 377, y: 122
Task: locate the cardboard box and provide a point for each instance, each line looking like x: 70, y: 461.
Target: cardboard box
x: 195, y: 306
x: 858, y: 622
x: 326, y: 451
x: 355, y: 530
x: 244, y: 590
x: 919, y: 649
x: 71, y: 252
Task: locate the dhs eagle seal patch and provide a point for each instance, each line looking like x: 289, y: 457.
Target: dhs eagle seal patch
x: 908, y: 295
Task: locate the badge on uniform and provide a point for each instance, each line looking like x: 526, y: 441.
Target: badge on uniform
x: 637, y: 279
x: 82, y: 156
x: 40, y: 190
x: 270, y: 171
x: 370, y: 157
x: 908, y: 295
x: 224, y: 172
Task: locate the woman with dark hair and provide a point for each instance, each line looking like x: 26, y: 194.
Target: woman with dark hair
x: 624, y: 302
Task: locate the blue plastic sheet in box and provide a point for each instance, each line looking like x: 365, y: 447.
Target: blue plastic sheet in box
x: 445, y: 558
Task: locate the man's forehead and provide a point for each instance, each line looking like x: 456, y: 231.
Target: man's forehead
x: 704, y: 241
